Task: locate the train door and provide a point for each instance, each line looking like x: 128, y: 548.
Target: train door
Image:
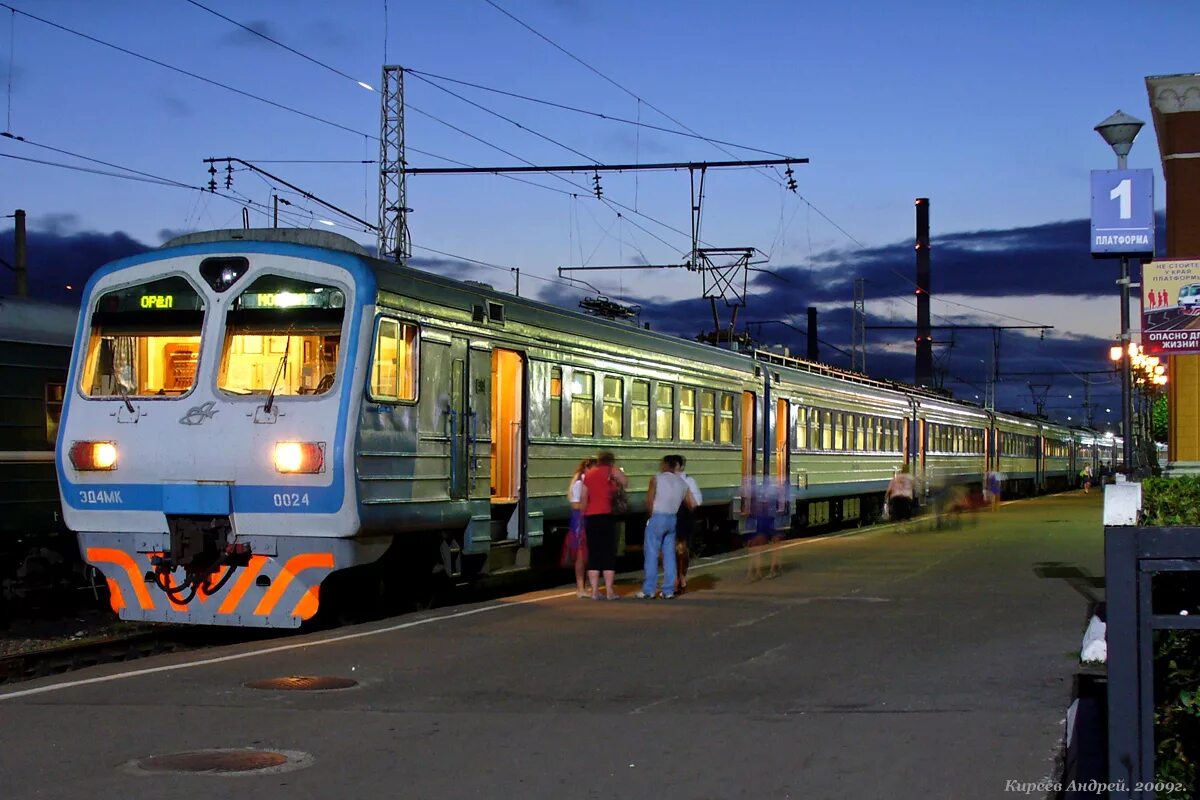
x: 459, y: 421
x: 748, y: 429
x: 508, y: 444
x: 782, y: 442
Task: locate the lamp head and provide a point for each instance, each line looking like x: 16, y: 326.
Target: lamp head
x: 1119, y: 131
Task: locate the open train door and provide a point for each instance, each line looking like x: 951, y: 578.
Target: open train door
x: 508, y: 446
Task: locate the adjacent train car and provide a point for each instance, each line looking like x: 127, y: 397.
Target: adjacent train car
x: 256, y: 418
x: 35, y: 347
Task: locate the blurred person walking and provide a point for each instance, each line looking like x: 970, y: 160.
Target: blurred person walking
x: 901, y: 493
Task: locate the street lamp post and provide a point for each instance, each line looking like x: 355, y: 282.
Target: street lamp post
x: 1119, y: 131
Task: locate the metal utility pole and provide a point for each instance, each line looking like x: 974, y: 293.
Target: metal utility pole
x: 858, y: 328
x: 814, y: 352
x: 22, y: 254
x: 924, y: 333
x: 394, y: 244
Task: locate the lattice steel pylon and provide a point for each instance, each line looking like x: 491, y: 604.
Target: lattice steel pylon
x: 393, y: 195
x: 858, y: 328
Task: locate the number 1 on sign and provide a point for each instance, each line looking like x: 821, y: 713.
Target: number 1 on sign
x: 1124, y: 192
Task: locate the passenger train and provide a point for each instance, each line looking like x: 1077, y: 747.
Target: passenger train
x: 252, y: 412
x: 39, y: 560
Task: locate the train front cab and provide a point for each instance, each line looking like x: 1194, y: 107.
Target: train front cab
x: 203, y: 453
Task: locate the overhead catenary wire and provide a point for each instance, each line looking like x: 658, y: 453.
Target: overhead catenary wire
x: 430, y: 78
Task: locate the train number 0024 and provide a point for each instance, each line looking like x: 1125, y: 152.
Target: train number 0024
x: 291, y: 500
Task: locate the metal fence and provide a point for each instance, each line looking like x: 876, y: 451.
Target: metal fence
x: 1141, y: 564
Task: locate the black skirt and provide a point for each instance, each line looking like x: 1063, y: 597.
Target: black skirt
x: 601, y: 541
x: 684, y: 523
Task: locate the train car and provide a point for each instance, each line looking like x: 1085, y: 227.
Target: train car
x: 1058, y: 463
x: 35, y: 346
x: 257, y: 421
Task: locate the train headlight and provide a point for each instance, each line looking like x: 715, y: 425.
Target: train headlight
x: 93, y: 456
x: 299, y: 457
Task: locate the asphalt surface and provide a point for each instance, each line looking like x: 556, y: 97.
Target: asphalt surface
x: 882, y: 664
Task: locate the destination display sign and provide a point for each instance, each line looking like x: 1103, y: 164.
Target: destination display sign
x: 167, y: 294
x: 1122, y: 212
x: 1171, y: 307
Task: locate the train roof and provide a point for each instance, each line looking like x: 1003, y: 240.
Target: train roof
x: 37, y: 322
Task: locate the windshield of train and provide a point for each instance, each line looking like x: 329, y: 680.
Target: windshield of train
x: 285, y: 334
x: 145, y: 341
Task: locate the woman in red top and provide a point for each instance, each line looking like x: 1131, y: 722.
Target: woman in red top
x: 600, y: 528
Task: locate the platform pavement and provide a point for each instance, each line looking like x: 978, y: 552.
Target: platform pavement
x: 882, y: 664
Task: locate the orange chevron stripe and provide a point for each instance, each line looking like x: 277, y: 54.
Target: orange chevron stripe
x: 230, y: 603
x: 308, y: 603
x: 110, y: 555
x: 115, y: 598
x: 295, y: 565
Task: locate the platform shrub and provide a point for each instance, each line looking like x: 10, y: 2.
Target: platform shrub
x: 1175, y: 502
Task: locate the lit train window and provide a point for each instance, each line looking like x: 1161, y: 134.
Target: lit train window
x: 639, y: 414
x: 687, y: 415
x: 286, y: 334
x: 725, y: 425
x: 556, y: 401
x: 613, y: 407
x: 839, y: 432
x: 826, y: 430
x: 145, y: 341
x: 801, y: 428
x: 708, y: 416
x: 581, y: 404
x: 664, y: 411
x: 393, y: 363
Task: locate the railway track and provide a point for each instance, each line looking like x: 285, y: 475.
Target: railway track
x: 56, y: 659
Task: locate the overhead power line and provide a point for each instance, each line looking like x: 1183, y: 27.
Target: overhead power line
x: 293, y: 50
x: 429, y: 77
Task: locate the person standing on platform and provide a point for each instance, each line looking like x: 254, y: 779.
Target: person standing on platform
x: 685, y: 522
x: 993, y: 489
x: 599, y: 483
x: 666, y: 494
x: 1085, y: 475
x: 575, y: 547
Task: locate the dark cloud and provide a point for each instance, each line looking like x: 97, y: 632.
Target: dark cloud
x: 243, y: 38
x: 59, y: 257
x: 174, y: 105
x: 1052, y: 258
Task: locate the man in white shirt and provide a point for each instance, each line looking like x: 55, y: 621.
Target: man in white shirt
x: 666, y: 494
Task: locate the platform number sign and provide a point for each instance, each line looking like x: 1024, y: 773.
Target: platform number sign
x: 1122, y: 212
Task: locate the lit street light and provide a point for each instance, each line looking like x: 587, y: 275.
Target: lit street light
x: 1119, y: 131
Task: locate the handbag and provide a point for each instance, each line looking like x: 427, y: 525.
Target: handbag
x: 619, y: 499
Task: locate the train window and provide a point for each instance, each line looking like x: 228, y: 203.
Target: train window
x: 393, y: 364
x: 285, y: 334
x: 145, y: 340
x: 639, y: 413
x: 860, y: 432
x: 725, y: 424
x: 708, y: 416
x: 839, y: 431
x: 556, y: 401
x: 613, y: 410
x: 687, y: 415
x: 801, y: 428
x: 582, y: 406
x: 54, y: 403
x: 826, y: 430
x: 664, y: 411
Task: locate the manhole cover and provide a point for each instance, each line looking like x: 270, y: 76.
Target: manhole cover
x: 303, y: 683
x: 222, y: 762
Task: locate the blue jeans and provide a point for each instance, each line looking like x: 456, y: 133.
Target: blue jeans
x: 660, y: 538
